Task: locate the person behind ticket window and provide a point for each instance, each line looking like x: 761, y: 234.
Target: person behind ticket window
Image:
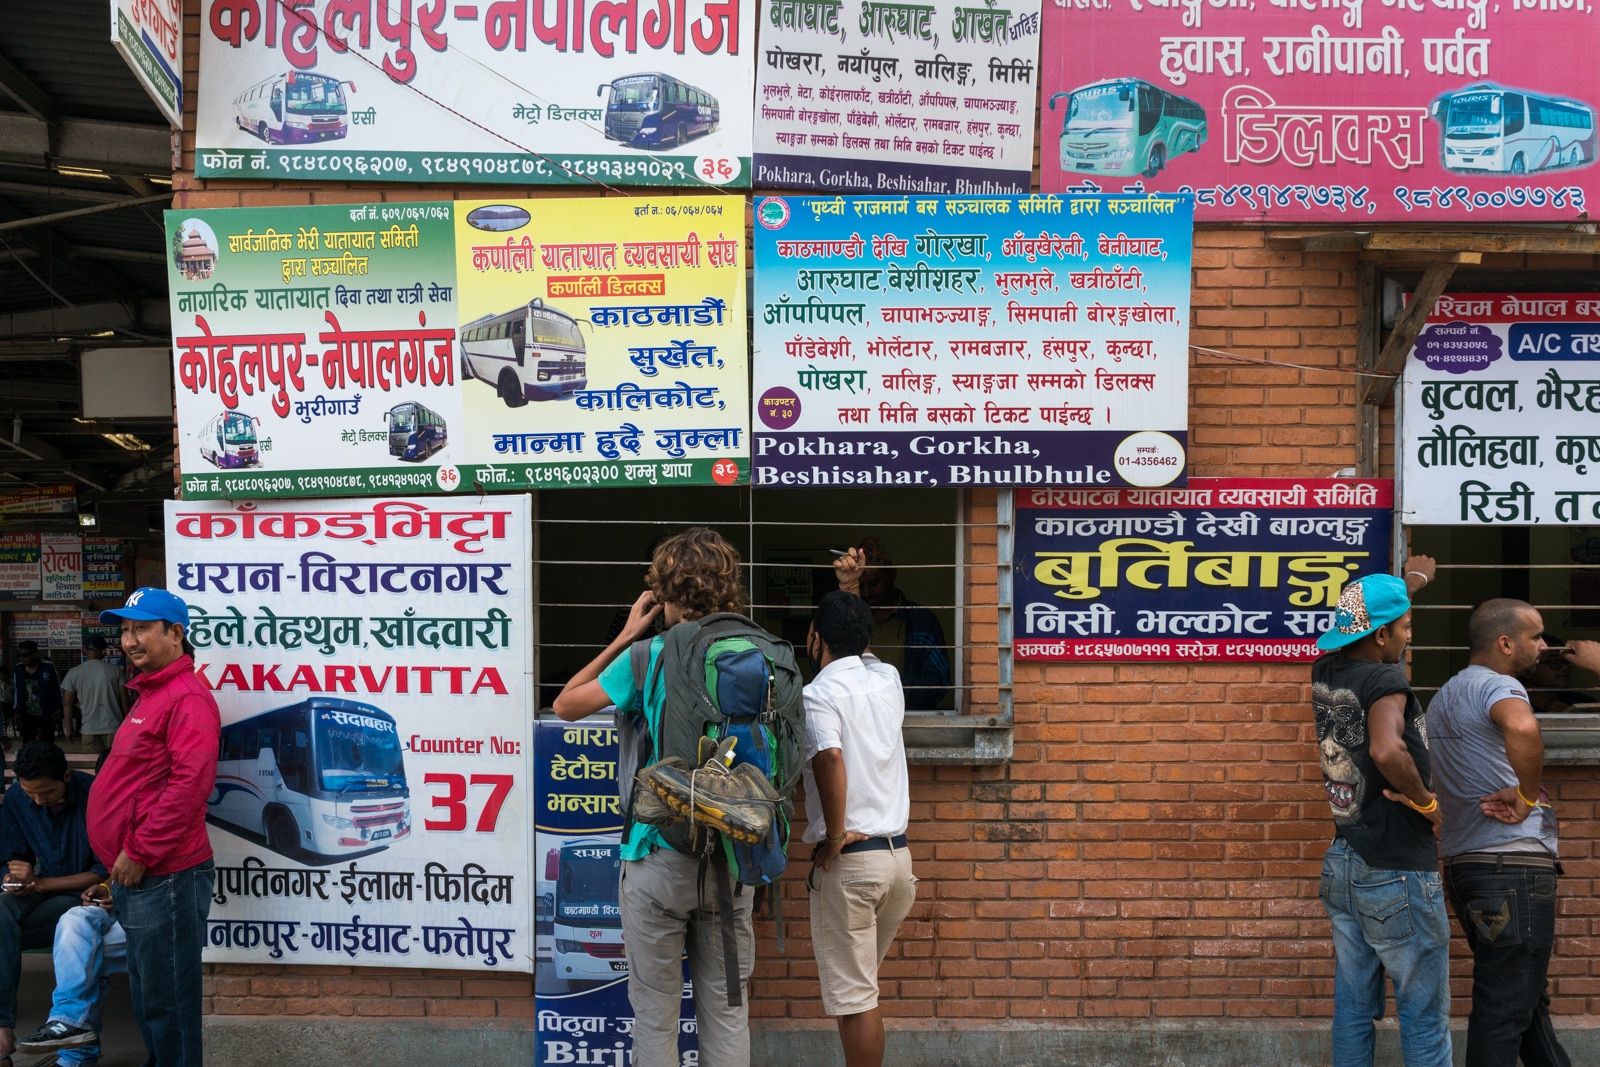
x: 905, y: 635
x: 147, y: 822
x: 1548, y: 680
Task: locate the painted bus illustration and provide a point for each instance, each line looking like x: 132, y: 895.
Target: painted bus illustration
x: 415, y: 432
x: 657, y: 111
x: 294, y: 106
x: 1503, y: 131
x: 532, y: 352
x: 228, y: 440
x: 325, y: 776
x: 587, y: 925
x: 1125, y: 126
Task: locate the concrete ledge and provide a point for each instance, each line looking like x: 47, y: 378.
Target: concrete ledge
x: 258, y: 1041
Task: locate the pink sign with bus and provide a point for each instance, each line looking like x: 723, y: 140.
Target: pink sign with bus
x: 1324, y: 110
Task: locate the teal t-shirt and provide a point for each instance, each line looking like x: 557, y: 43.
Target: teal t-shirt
x: 617, y: 681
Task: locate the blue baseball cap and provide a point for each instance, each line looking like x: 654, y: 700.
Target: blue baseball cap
x: 150, y: 605
x: 1365, y: 605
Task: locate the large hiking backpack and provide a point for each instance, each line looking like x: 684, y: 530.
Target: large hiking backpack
x: 723, y: 676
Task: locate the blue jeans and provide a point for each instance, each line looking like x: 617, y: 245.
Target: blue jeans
x: 25, y: 923
x: 164, y: 917
x: 1391, y: 921
x: 1509, y: 916
x: 90, y: 947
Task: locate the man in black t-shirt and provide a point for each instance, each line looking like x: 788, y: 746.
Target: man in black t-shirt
x: 1380, y: 877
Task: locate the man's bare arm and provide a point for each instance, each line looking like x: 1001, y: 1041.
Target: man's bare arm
x: 1387, y: 745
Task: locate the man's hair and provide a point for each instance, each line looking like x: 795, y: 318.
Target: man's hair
x: 844, y: 622
x: 40, y: 759
x: 698, y: 571
x: 1494, y: 619
x: 166, y: 627
x: 27, y: 646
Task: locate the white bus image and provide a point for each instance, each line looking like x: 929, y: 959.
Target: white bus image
x: 294, y: 106
x: 324, y: 776
x: 587, y: 920
x: 228, y: 440
x: 532, y: 352
x: 1502, y: 131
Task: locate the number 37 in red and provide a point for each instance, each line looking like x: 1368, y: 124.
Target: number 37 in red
x: 454, y: 801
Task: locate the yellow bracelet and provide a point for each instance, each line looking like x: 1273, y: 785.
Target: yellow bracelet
x: 1531, y: 803
x: 1432, y: 807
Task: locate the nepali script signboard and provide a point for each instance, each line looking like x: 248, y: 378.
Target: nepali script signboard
x: 868, y: 96
x: 329, y: 350
x: 580, y: 983
x: 374, y: 786
x: 1500, y: 406
x: 1285, y: 111
x: 1037, y: 340
x: 149, y: 36
x: 511, y: 92
x: 1237, y: 570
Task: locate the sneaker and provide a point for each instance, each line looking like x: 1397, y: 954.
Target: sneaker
x: 740, y: 803
x: 57, y: 1034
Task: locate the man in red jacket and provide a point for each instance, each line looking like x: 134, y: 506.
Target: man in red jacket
x: 147, y: 823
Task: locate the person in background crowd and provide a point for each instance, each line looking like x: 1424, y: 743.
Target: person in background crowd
x: 90, y: 947
x: 93, y: 696
x: 1499, y: 836
x: 666, y: 895
x: 6, y: 700
x: 858, y: 802
x: 1380, y: 876
x: 905, y: 635
x: 44, y: 840
x: 36, y: 695
x: 1547, y: 680
x: 147, y: 822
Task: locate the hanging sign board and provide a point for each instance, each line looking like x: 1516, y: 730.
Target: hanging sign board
x: 439, y: 347
x: 866, y: 96
x: 1026, y: 341
x: 507, y: 93
x: 1501, y: 412
x: 149, y: 35
x: 374, y: 785
x: 1237, y: 570
x: 1339, y: 110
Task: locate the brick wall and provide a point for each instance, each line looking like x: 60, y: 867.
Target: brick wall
x: 1151, y: 852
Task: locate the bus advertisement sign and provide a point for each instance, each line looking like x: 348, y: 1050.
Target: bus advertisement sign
x: 603, y: 341
x: 1300, y: 112
x: 580, y: 980
x: 625, y: 97
x: 350, y: 827
x: 926, y: 98
x: 434, y: 347
x: 1499, y: 403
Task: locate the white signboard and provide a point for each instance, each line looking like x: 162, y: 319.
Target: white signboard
x: 1501, y: 412
x: 371, y: 660
x: 149, y: 34
x: 861, y: 96
x: 505, y: 93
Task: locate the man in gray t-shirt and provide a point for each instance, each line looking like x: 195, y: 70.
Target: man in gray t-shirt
x: 94, y: 689
x: 1498, y: 836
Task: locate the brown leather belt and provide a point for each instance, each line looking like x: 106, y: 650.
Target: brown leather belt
x: 1506, y: 859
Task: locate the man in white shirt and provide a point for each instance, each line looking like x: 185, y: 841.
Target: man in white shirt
x: 93, y: 690
x: 858, y: 801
